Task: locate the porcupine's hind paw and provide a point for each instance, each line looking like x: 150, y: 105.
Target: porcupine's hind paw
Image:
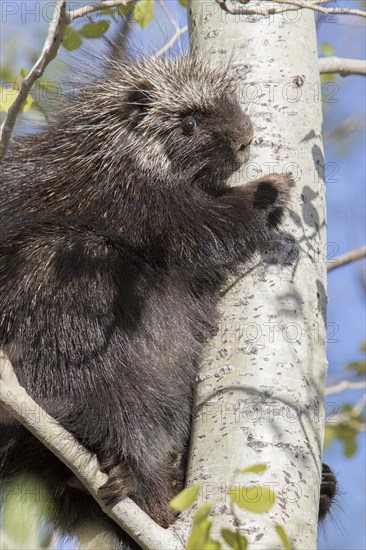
x: 121, y: 482
x: 328, y: 491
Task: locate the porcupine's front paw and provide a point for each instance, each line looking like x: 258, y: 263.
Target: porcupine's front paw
x: 271, y: 197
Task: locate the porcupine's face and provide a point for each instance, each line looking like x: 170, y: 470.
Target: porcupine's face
x: 185, y: 120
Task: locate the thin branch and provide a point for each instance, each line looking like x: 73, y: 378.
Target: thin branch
x: 342, y: 66
x: 347, y: 258
x: 317, y: 6
x: 345, y: 385
x: 171, y: 42
x: 291, y: 5
x: 54, y: 38
x: 56, y: 30
x: 168, y: 15
x: 86, y: 10
x: 81, y: 462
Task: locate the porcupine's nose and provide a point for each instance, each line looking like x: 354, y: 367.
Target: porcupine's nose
x: 242, y: 149
x: 244, y: 136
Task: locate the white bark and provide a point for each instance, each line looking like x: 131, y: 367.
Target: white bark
x: 342, y: 66
x: 261, y: 389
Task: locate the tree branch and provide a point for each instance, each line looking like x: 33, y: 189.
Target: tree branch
x: 87, y: 10
x: 171, y: 42
x: 168, y: 15
x: 342, y: 66
x: 347, y: 258
x: 291, y: 5
x: 56, y: 30
x: 345, y: 385
x: 54, y: 38
x: 81, y: 462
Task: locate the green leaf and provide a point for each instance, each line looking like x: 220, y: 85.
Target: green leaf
x: 234, y: 540
x: 183, y: 3
x: 94, y: 30
x: 25, y: 505
x: 350, y: 446
x: 254, y: 498
x: 256, y: 468
x: 284, y: 539
x: 143, y: 13
x: 113, y: 13
x: 199, y: 538
x: 328, y: 77
x: 28, y: 102
x: 326, y: 48
x: 202, y: 512
x: 329, y: 435
x: 46, y: 84
x: 359, y: 367
x: 185, y: 498
x: 7, y: 98
x: 107, y: 11
x: 212, y: 545
x: 346, y: 431
x: 24, y: 72
x: 125, y: 10
x: 72, y: 39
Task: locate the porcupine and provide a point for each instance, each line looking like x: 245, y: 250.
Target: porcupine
x: 118, y: 230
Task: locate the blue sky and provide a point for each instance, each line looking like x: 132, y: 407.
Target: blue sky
x: 346, y: 230
x: 346, y: 308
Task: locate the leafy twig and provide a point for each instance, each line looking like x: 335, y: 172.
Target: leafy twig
x: 56, y: 30
x: 54, y: 38
x: 349, y: 416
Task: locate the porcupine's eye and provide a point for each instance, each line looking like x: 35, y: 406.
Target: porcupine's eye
x: 189, y: 124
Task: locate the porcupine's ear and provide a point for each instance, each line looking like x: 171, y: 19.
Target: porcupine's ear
x: 137, y: 101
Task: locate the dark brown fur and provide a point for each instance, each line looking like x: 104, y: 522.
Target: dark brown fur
x: 117, y: 230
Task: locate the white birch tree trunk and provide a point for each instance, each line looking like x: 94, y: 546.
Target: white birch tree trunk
x: 260, y: 394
